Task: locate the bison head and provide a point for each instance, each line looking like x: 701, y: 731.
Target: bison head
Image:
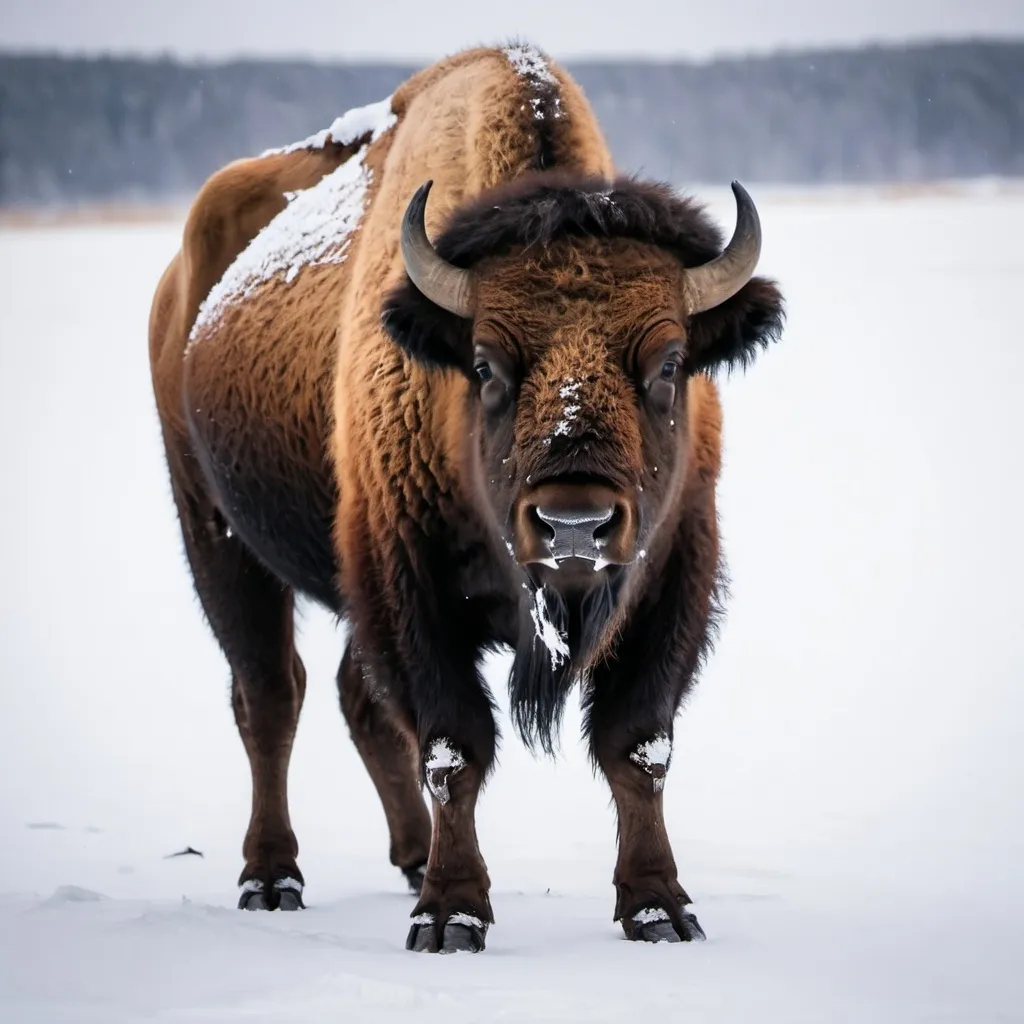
x: 579, y: 310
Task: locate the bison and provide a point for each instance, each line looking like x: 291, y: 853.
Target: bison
x: 505, y: 438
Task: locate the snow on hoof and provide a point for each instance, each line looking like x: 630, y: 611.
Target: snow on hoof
x: 286, y: 894
x: 653, y: 924
x: 463, y: 933
x: 415, y: 877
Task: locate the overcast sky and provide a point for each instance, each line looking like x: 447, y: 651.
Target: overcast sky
x: 425, y: 29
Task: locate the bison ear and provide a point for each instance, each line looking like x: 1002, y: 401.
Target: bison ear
x: 730, y: 334
x: 426, y: 332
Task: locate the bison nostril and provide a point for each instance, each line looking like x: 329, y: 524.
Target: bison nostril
x: 606, y: 529
x: 544, y: 528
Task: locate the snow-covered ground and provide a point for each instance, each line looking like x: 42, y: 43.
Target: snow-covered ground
x: 846, y: 797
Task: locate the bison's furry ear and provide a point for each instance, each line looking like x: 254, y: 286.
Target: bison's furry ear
x: 426, y: 332
x: 731, y: 334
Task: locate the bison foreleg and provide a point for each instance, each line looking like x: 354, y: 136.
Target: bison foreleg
x: 454, y: 910
x: 650, y: 902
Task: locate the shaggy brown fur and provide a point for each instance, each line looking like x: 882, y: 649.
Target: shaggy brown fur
x: 310, y: 451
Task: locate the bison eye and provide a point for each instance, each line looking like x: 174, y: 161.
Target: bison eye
x: 661, y: 380
x: 497, y: 376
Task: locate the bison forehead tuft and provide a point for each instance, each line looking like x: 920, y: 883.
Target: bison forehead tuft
x: 541, y: 208
x: 578, y: 413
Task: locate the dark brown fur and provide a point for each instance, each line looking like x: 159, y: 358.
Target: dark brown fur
x: 311, y: 451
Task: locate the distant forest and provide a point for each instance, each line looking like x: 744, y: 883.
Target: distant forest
x: 80, y: 130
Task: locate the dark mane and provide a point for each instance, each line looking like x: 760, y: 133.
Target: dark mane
x: 539, y: 208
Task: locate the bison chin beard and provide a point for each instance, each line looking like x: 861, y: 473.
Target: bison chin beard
x: 558, y: 634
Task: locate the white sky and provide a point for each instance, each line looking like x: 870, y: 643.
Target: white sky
x: 425, y: 29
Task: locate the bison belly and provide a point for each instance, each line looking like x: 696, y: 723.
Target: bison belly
x: 267, y: 471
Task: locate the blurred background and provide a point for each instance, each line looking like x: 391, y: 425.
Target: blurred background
x: 120, y: 101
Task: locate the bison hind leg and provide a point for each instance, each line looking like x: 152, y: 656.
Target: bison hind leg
x: 251, y: 615
x: 415, y: 876
x: 390, y: 753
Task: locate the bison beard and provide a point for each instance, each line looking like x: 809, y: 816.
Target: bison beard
x: 541, y: 679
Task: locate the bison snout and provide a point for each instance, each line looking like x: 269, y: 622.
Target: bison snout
x: 559, y: 521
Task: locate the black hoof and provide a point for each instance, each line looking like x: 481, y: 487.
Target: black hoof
x: 286, y: 894
x: 653, y: 924
x: 462, y: 934
x: 415, y: 876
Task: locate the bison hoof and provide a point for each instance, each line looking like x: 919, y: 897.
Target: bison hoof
x: 654, y: 924
x: 284, y: 894
x: 415, y: 877
x: 462, y: 933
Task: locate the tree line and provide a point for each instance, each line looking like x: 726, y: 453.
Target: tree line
x: 78, y: 130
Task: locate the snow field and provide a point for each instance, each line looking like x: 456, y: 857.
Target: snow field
x: 845, y: 791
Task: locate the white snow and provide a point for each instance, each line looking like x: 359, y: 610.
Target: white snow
x: 465, y: 919
x: 846, y: 806
x: 650, y: 915
x: 655, y: 751
x: 74, y: 894
x: 546, y: 631
x: 374, y: 118
x: 443, y: 755
x: 571, y: 410
x: 570, y: 393
x: 255, y: 885
x: 530, y: 63
x: 314, y: 228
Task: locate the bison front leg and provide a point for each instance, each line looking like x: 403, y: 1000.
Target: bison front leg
x: 420, y: 639
x: 457, y: 741
x: 454, y: 910
x: 635, y: 757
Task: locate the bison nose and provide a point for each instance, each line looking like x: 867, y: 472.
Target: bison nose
x: 570, y: 520
x: 575, y: 532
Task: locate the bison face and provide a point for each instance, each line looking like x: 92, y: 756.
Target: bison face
x: 578, y: 359
x: 579, y: 343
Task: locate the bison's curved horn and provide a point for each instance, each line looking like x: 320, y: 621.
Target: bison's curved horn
x: 724, y: 276
x: 449, y: 287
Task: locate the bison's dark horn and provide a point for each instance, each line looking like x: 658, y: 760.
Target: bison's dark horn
x: 449, y: 287
x: 724, y: 276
